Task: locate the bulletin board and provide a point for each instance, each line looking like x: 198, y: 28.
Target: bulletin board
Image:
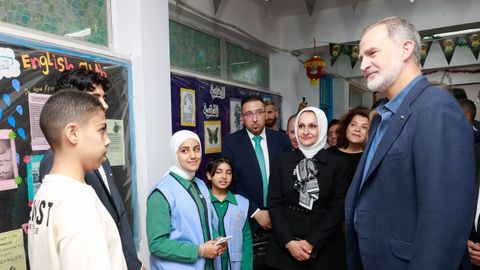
x: 28, y: 71
x: 211, y: 109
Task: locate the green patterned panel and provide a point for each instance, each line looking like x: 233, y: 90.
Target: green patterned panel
x: 194, y: 50
x: 87, y: 18
x: 246, y: 66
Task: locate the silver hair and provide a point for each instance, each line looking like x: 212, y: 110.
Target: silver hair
x: 399, y: 30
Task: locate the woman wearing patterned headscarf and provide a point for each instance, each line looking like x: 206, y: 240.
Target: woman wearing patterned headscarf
x: 306, y: 200
x: 179, y: 214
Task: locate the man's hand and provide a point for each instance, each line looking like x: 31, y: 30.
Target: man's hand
x: 474, y: 250
x: 263, y: 219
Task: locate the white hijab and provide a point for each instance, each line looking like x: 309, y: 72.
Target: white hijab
x: 312, y: 150
x: 177, y: 139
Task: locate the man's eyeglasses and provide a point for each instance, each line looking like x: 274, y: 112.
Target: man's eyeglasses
x: 251, y: 114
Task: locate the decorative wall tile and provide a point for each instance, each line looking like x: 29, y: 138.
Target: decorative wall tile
x: 59, y: 17
x: 194, y: 50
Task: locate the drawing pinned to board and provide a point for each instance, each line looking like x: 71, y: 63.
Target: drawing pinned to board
x: 9, y: 66
x: 235, y: 113
x: 35, y: 106
x: 187, y: 107
x: 8, y: 164
x: 33, y: 174
x: 213, y: 137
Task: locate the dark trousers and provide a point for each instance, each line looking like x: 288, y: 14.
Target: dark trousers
x: 260, y: 242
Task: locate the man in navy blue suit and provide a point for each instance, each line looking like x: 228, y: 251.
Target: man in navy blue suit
x: 410, y: 205
x: 240, y: 148
x: 101, y: 180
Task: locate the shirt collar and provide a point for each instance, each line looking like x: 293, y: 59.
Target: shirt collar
x: 185, y: 183
x: 263, y: 134
x: 394, y: 104
x: 230, y: 198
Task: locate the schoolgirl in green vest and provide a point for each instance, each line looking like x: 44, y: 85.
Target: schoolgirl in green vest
x: 229, y: 217
x: 179, y: 212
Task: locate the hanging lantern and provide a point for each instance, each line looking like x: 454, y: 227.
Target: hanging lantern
x: 314, y: 67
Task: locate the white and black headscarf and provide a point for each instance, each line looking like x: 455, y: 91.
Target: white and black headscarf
x: 306, y: 171
x: 177, y: 139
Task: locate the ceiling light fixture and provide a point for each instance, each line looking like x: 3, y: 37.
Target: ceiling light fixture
x: 457, y: 33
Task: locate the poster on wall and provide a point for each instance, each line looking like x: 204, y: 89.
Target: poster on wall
x: 187, y: 107
x: 213, y: 137
x: 12, y: 252
x: 8, y: 164
x: 35, y: 106
x: 235, y: 113
x: 28, y: 73
x: 116, y: 149
x: 33, y: 175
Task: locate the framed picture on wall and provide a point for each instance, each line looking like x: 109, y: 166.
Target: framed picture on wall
x: 8, y: 164
x: 235, y: 113
x: 213, y: 136
x: 187, y: 107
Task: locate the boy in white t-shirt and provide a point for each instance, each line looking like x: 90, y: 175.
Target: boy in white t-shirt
x: 69, y: 228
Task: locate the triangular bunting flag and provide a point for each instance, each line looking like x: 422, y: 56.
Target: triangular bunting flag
x: 473, y: 42
x: 353, y: 52
x: 448, y: 47
x: 424, y: 51
x: 310, y: 6
x: 216, y: 4
x: 335, y: 50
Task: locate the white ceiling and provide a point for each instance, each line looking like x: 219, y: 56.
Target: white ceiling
x: 283, y: 8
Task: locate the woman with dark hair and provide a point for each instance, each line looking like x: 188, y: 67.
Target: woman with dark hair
x: 353, y: 136
x: 230, y: 217
x: 306, y: 199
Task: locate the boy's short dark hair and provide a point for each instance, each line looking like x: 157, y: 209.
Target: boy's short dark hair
x: 81, y: 79
x: 63, y: 107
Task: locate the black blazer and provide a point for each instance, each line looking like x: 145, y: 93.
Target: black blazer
x: 112, y: 201
x: 247, y: 176
x: 321, y: 227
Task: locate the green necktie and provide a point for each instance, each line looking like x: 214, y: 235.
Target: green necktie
x: 263, y: 167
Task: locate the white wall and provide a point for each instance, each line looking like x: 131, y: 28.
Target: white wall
x: 141, y: 31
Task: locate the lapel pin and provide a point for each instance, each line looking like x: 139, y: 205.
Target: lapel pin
x: 402, y: 117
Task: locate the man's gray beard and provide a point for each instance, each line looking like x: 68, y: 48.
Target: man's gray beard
x: 385, y: 78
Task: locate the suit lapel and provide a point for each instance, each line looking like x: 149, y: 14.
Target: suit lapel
x: 394, y: 128
x: 110, y: 194
x: 269, y: 138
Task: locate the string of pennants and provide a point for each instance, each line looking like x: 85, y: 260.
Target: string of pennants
x: 448, y: 46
